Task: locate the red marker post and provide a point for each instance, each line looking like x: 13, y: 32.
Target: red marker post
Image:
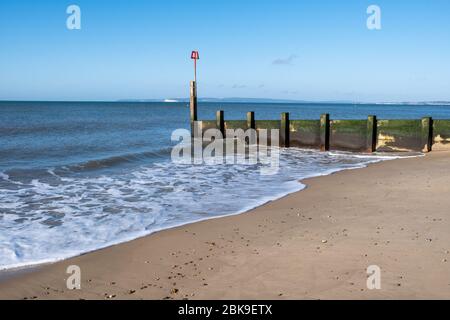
x: 193, y: 102
x: 195, y: 56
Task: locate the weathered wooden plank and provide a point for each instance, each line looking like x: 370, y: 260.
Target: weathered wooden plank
x: 220, y: 122
x: 427, y: 134
x: 371, y: 133
x: 325, y: 132
x: 284, y: 130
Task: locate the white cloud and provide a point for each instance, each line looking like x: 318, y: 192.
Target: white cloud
x: 289, y: 61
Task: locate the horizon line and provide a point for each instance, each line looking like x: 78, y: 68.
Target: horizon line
x: 233, y: 100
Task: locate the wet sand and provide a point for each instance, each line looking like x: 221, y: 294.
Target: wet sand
x: 313, y: 244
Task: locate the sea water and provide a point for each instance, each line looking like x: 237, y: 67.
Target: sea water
x: 76, y: 177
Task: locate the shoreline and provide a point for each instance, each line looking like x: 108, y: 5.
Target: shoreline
x: 129, y: 255
x: 11, y: 271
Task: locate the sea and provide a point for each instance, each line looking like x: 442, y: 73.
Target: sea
x: 80, y: 176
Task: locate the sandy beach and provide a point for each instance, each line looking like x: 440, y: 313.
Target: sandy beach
x: 313, y: 244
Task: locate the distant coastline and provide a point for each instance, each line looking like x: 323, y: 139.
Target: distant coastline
x: 244, y: 100
x: 262, y: 100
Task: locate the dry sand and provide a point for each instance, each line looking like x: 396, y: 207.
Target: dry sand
x: 314, y: 244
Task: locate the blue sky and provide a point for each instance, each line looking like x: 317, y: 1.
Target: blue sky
x: 292, y: 49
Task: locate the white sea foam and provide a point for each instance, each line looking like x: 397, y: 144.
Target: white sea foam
x: 68, y: 214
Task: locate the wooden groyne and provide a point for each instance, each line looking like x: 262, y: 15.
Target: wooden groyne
x: 367, y: 135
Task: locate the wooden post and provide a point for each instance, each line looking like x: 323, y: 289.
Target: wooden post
x: 427, y: 134
x: 325, y: 132
x: 372, y: 133
x: 251, y: 120
x: 220, y: 122
x: 284, y: 130
x: 251, y: 125
x: 193, y: 105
